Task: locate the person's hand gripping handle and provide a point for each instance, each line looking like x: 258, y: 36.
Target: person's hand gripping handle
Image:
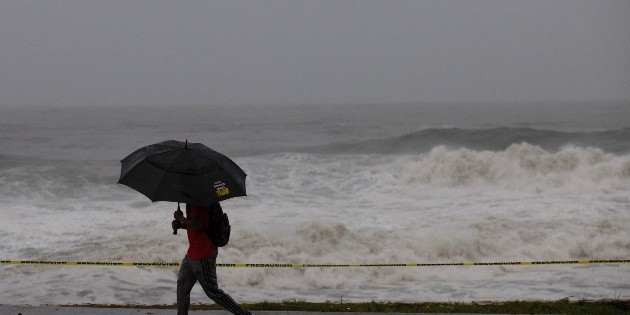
x: 178, y: 216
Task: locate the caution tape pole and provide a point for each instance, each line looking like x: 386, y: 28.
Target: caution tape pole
x: 159, y: 264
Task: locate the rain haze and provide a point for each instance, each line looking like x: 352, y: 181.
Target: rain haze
x: 371, y: 132
x: 86, y: 53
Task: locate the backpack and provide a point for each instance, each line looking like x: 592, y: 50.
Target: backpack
x: 219, y: 228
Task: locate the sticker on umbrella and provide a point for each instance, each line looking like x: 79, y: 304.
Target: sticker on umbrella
x: 221, y: 189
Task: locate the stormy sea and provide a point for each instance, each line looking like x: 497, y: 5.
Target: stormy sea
x: 353, y: 184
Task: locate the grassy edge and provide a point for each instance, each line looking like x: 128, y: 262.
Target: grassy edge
x: 564, y: 306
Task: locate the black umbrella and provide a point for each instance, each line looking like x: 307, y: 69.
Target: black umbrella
x: 182, y: 172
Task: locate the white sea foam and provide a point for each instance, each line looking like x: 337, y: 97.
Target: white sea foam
x: 306, y: 208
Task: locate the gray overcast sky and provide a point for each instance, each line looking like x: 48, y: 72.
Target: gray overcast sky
x: 97, y: 52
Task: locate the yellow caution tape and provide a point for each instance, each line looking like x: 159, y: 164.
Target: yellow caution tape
x: 86, y: 263
x: 159, y: 264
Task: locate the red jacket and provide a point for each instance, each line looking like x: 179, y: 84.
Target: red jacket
x: 200, y: 245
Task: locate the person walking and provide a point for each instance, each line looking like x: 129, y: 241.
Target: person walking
x: 199, y: 264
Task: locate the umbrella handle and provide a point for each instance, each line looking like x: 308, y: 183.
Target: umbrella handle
x: 178, y: 209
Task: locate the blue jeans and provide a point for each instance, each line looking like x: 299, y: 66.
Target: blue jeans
x: 204, y: 271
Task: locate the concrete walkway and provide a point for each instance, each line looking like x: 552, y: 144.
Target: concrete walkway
x: 64, y: 310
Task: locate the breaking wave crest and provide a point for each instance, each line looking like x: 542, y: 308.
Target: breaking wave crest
x: 521, y: 167
x: 494, y: 139
x: 27, y: 178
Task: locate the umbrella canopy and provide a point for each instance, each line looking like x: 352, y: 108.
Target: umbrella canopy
x: 182, y: 172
